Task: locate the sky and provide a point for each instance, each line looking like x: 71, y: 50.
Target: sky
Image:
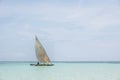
x: 69, y: 30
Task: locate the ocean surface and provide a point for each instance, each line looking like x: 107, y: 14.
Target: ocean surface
x: 60, y: 71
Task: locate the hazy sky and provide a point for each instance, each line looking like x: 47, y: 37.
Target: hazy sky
x: 70, y: 30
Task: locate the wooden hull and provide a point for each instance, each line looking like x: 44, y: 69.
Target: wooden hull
x: 41, y: 64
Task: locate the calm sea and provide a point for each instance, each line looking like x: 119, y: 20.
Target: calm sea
x: 60, y: 71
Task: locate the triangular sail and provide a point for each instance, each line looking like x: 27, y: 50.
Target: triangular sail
x: 40, y: 52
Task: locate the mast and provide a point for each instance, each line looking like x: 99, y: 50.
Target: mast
x: 40, y: 52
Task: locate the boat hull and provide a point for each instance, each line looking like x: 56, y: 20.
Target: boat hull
x: 41, y: 64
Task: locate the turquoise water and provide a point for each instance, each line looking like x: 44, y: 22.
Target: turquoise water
x: 60, y: 71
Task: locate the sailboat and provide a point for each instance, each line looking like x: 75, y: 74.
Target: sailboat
x: 43, y: 59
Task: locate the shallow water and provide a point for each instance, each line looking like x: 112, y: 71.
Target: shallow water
x: 60, y: 71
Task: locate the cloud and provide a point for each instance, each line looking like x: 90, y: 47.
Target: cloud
x: 92, y: 17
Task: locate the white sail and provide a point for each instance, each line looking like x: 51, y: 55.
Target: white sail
x: 41, y: 53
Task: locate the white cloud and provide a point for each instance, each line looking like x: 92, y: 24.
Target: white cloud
x: 92, y: 17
